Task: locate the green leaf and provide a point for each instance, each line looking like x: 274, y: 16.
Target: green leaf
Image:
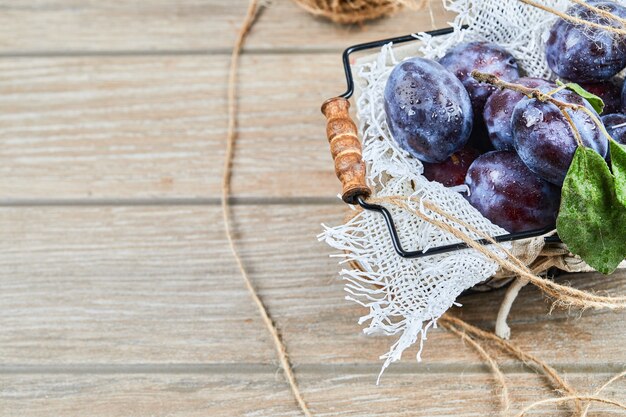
x: 618, y: 165
x: 595, y: 101
x: 591, y: 221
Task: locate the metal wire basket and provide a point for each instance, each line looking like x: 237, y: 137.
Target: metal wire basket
x: 350, y: 168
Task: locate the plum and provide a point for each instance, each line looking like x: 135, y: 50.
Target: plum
x: 499, y: 110
x: 509, y: 194
x: 582, y: 53
x: 545, y: 140
x: 610, y: 93
x: 452, y: 171
x: 428, y: 111
x: 484, y: 57
x: 615, y: 125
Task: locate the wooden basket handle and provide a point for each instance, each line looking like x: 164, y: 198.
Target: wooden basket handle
x: 345, y: 149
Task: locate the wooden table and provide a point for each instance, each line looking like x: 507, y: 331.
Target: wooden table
x: 119, y: 295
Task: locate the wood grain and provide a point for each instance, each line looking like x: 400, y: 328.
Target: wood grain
x: 97, y: 288
x: 265, y: 394
x: 159, y: 26
x: 157, y: 285
x: 138, y: 395
x: 154, y: 127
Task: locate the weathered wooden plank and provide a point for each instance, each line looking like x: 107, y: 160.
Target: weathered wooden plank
x: 145, y: 395
x: 97, y: 288
x: 153, y: 25
x: 457, y: 394
x: 72, y: 26
x: 266, y: 394
x: 147, y: 127
x: 124, y: 285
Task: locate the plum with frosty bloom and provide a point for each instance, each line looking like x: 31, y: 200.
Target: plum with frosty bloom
x: 428, y: 111
x: 499, y: 110
x: 582, y: 53
x: 544, y: 139
x: 484, y: 57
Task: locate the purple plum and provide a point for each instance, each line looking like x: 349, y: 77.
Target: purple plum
x: 510, y: 195
x: 610, y: 93
x: 499, y: 110
x: 452, y: 171
x: 615, y: 125
x: 428, y: 111
x: 582, y: 53
x: 484, y: 57
x: 544, y: 139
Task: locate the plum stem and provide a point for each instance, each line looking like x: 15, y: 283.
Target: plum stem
x: 528, y: 92
x: 556, y: 90
x: 536, y: 93
x: 580, y: 21
x: 579, y: 139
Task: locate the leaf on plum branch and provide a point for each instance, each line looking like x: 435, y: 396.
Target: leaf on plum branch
x: 595, y: 101
x: 592, y: 219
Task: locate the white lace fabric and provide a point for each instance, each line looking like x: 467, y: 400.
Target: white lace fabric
x: 405, y: 297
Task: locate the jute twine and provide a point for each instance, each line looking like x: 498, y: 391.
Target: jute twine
x: 253, y: 11
x: 461, y: 327
x: 356, y: 11
x: 493, y: 365
x: 469, y: 332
